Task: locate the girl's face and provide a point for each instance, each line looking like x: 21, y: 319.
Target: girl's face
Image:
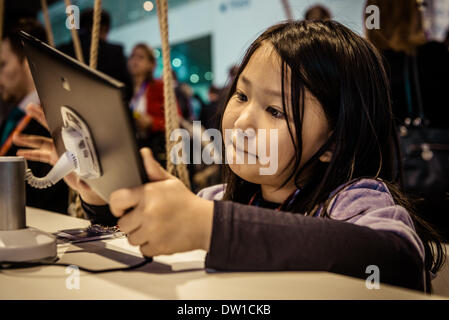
x: 138, y: 62
x: 257, y: 104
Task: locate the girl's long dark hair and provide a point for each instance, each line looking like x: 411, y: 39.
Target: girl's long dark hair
x: 345, y: 73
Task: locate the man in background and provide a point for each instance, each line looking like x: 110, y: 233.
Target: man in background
x: 318, y: 12
x: 210, y: 113
x: 18, y: 90
x: 111, y: 59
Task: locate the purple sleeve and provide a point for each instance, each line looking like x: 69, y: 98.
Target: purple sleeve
x: 369, y: 203
x: 248, y: 238
x: 215, y: 192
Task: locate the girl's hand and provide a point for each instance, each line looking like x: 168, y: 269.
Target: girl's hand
x: 165, y: 216
x: 43, y: 150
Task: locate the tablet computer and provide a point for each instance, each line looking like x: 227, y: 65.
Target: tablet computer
x: 63, y: 82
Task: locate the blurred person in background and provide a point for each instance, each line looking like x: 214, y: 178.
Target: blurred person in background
x: 401, y: 39
x: 18, y: 90
x: 209, y: 114
x: 5, y: 106
x: 195, y: 101
x: 183, y: 99
x: 147, y: 103
x: 200, y: 104
x: 402, y: 42
x: 232, y: 72
x: 317, y: 12
x: 111, y: 59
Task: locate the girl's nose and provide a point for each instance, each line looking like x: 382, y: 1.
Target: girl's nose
x: 247, y: 118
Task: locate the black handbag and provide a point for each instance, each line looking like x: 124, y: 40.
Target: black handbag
x: 425, y: 150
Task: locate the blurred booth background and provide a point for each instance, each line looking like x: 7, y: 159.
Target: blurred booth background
x: 207, y: 37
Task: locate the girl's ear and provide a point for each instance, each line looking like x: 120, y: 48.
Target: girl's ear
x: 326, y: 157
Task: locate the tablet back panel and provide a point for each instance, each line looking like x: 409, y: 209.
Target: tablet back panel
x: 98, y: 99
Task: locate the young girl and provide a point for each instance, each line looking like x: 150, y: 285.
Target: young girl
x: 332, y: 205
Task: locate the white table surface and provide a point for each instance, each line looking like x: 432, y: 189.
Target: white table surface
x: 178, y: 276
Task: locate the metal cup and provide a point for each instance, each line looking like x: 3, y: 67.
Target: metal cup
x: 12, y: 193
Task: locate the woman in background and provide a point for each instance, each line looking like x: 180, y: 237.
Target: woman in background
x: 147, y: 103
x: 401, y: 39
x: 419, y: 73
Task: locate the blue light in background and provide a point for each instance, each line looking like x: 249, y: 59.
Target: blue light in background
x: 176, y: 62
x: 208, y: 76
x: 194, y: 78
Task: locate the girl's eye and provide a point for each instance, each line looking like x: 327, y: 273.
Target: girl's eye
x: 275, y: 113
x: 241, y: 96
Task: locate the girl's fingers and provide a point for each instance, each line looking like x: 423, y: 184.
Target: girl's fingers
x: 122, y: 200
x: 154, y: 170
x: 137, y: 237
x: 84, y: 185
x: 36, y: 112
x: 147, y: 250
x: 72, y: 181
x: 31, y: 141
x: 130, y: 222
x: 35, y: 155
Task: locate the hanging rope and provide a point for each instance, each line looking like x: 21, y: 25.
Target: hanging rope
x: 74, y: 208
x: 75, y: 38
x: 95, y: 35
x: 287, y: 9
x: 48, y: 30
x: 75, y: 200
x: 170, y: 106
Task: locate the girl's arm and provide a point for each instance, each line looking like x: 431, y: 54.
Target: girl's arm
x: 247, y: 238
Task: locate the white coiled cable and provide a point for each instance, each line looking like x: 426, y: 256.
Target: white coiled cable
x: 66, y: 164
